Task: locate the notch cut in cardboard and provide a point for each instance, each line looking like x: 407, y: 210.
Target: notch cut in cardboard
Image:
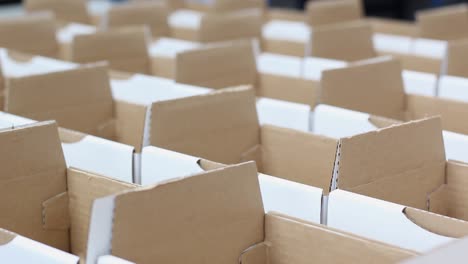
x: 321, y: 13
x: 33, y: 34
x: 125, y: 49
x: 446, y: 23
x: 153, y: 15
x: 64, y: 10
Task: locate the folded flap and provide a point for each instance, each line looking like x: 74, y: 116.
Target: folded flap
x: 153, y: 14
x: 445, y: 23
x: 372, y: 86
x: 457, y: 57
x: 330, y: 12
x: 184, y: 221
x: 435, y: 223
x: 64, y: 10
x: 456, y: 190
x: 349, y: 41
x: 256, y: 254
x: 224, y: 65
x: 224, y: 27
x: 33, y: 34
x: 78, y: 99
x: 55, y: 213
x: 125, y: 49
x: 33, y: 170
x: 220, y: 126
x: 6, y: 237
x: 235, y: 5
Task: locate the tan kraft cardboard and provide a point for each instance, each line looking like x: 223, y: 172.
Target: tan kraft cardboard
x: 456, y: 60
x: 321, y: 13
x: 225, y: 6
x: 64, y: 10
x: 393, y: 26
x: 446, y: 23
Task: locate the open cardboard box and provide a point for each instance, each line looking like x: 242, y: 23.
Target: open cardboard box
x: 321, y: 13
x: 67, y: 33
x: 214, y: 27
x: 223, y: 6
x: 64, y: 10
x: 445, y: 23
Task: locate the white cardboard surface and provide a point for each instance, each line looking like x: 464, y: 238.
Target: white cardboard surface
x: 392, y: 43
x: 184, y: 18
x: 453, y: 253
x: 169, y: 47
x: 291, y: 198
x: 279, y: 64
x: 283, y: 114
x: 15, y: 120
x: 37, y: 65
x: 5, y: 124
x: 338, y: 122
x: 456, y: 146
x: 286, y: 31
x: 419, y: 83
x: 112, y: 260
x: 429, y: 48
x: 159, y: 165
x: 68, y: 32
x: 379, y: 220
x: 314, y: 66
x: 453, y: 87
x: 24, y: 250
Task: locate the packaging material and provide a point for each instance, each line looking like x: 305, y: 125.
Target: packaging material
x: 124, y: 49
x: 67, y: 33
x: 153, y: 15
x: 224, y: 6
x: 455, y: 63
x: 393, y: 26
x: 453, y: 253
x: 33, y: 34
x: 276, y: 13
x: 108, y: 259
x: 64, y: 10
x: 331, y: 12
x: 445, y: 23
x: 286, y: 37
x: 453, y: 87
x: 421, y: 83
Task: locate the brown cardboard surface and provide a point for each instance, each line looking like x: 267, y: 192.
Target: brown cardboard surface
x: 393, y: 26
x: 457, y: 57
x: 437, y: 224
x: 163, y: 67
x: 446, y: 23
x: 284, y: 47
x: 208, y: 125
x: 285, y: 14
x: 216, y: 73
x: 235, y: 5
x: 224, y: 27
x: 394, y: 164
x: 124, y: 49
x: 33, y: 171
x: 349, y: 41
x: 6, y: 236
x: 417, y: 63
x: 211, y: 217
x: 34, y: 34
x: 321, y: 13
x: 373, y: 86
x: 79, y: 99
x: 130, y: 123
x: 64, y: 10
x: 152, y: 14
x: 184, y: 33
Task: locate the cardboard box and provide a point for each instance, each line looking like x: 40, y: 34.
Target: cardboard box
x: 64, y: 10
x: 453, y: 253
x: 286, y: 37
x: 153, y: 15
x: 223, y: 6
x: 446, y: 23
x: 288, y: 14
x: 67, y: 33
x: 124, y: 49
x: 324, y: 13
x: 393, y: 26
x: 455, y: 63
x: 33, y: 34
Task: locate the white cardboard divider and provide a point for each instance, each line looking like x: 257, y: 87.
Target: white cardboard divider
x: 392, y: 43
x: 286, y: 31
x: 453, y: 87
x: 184, y: 18
x: 379, y: 220
x: 419, y: 83
x: 314, y: 66
x: 279, y: 64
x: 453, y: 253
x: 5, y: 124
x: 169, y: 47
x: 37, y: 65
x: 99, y: 8
x: 69, y: 31
x: 159, y: 165
x: 112, y: 260
x: 25, y: 250
x: 456, y: 146
x: 284, y: 114
x: 429, y: 48
x: 338, y: 122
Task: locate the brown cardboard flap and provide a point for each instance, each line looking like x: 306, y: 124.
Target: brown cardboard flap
x: 285, y: 14
x: 438, y: 201
x: 300, y: 242
x: 224, y: 27
x: 419, y: 106
x: 33, y: 34
x: 83, y: 189
x: 417, y: 63
x: 33, y: 170
x: 446, y: 23
x: 349, y: 41
x: 211, y: 217
x: 329, y: 12
x: 130, y: 123
x: 70, y: 136
x: 253, y: 154
x: 6, y: 236
x: 382, y: 122
x: 224, y: 65
x: 235, y: 5
x: 152, y: 14
x: 64, y: 10
x: 256, y: 254
x: 124, y: 49
x: 457, y: 190
x: 79, y: 99
x: 55, y: 213
x: 373, y: 86
x: 441, y: 225
x: 298, y: 156
x: 395, y: 164
x: 220, y: 126
x: 457, y: 57
x: 393, y: 26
